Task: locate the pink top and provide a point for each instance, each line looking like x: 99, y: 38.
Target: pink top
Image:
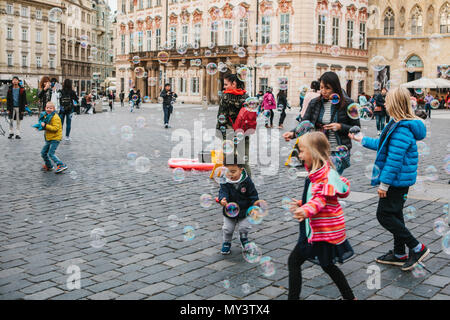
x: 269, y: 102
x: 309, y: 96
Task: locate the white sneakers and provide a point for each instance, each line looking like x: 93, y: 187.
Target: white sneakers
x: 67, y: 138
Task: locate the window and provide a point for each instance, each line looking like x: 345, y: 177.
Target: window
x: 284, y: 28
x: 184, y: 35
x: 122, y: 44
x: 265, y: 32
x: 38, y: 36
x: 360, y: 86
x: 415, y: 62
x: 362, y: 36
x: 158, y: 3
x: 131, y: 6
x: 335, y: 31
x: 214, y: 28
x: 444, y: 18
x: 24, y: 34
x: 321, y: 33
x: 140, y: 41
x: 24, y: 12
x: 9, y: 8
x: 10, y: 59
x: 83, y: 16
x: 173, y: 36
x: 149, y: 3
x: 9, y: 33
x: 263, y: 84
x: 389, y: 23
x: 416, y: 21
x: 131, y: 42
x: 182, y: 85
x: 158, y: 39
x: 350, y: 34
x: 197, y: 33
x: 38, y: 14
x: 124, y: 9
x: 24, y: 60
x: 38, y: 62
x: 195, y: 85
x: 51, y: 38
x: 243, y: 32
x: 228, y: 32
x: 149, y: 40
x: 141, y: 4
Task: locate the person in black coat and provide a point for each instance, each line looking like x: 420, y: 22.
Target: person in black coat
x: 67, y: 96
x: 44, y: 94
x: 380, y: 110
x: 237, y: 189
x: 282, y: 104
x: 168, y: 97
x: 16, y: 100
x: 330, y: 118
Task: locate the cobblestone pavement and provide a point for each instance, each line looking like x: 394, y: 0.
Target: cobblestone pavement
x: 46, y: 220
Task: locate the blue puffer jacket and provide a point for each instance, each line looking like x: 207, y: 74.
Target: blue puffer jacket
x: 397, y: 157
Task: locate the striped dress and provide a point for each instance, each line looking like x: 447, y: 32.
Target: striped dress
x: 326, y: 217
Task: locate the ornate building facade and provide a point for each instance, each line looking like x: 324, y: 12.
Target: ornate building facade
x: 284, y: 43
x: 410, y: 38
x: 29, y: 41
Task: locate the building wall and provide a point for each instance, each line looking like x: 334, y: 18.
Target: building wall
x: 31, y: 47
x: 394, y: 50
x: 302, y: 59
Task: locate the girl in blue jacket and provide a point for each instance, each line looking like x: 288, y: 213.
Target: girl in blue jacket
x: 395, y: 171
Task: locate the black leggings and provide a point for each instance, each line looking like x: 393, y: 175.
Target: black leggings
x: 282, y: 117
x: 272, y: 114
x: 295, y: 261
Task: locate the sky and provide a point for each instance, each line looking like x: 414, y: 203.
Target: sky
x: 112, y: 4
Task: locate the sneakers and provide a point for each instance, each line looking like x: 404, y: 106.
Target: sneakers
x: 60, y: 168
x: 10, y: 136
x: 244, y: 241
x: 390, y: 258
x: 415, y: 258
x: 67, y: 138
x: 226, y: 248
x: 18, y: 137
x: 166, y: 126
x: 45, y: 168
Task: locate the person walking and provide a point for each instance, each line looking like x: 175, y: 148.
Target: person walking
x: 269, y: 104
x: 132, y: 98
x: 282, y: 104
x: 380, y: 110
x: 44, y: 94
x: 111, y: 97
x: 16, y: 100
x: 86, y: 102
x: 428, y: 99
x: 312, y: 94
x: 121, y: 97
x: 66, y: 101
x: 168, y: 95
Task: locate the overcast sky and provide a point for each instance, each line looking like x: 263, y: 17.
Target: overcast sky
x: 112, y: 4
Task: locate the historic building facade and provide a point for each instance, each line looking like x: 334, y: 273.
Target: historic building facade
x: 29, y: 41
x: 411, y: 38
x: 284, y: 43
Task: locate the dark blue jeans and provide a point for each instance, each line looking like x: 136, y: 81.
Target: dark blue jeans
x: 428, y: 109
x: 48, y: 151
x: 167, y: 111
x: 63, y: 115
x: 380, y: 118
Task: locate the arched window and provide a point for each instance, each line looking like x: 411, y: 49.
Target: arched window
x: 444, y: 18
x: 414, y: 61
x: 389, y: 20
x: 416, y: 20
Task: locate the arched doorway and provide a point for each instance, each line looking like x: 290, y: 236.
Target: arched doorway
x: 414, y: 67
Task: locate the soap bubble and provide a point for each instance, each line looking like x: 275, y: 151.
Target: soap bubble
x: 178, y: 174
x: 335, y: 51
x: 136, y: 59
x: 267, y: 266
x: 434, y: 104
x: 410, y: 213
x: 147, y: 99
x: 163, y: 57
x: 189, y: 233
x: 342, y: 151
x: 222, y: 119
x: 172, y: 221
x: 226, y: 284
x: 55, y: 14
x: 126, y: 133
x: 263, y: 205
x: 222, y: 67
x: 440, y: 226
x: 255, y: 215
x: 251, y: 253
x: 431, y: 173
x: 142, y: 164
x: 422, y: 148
x: 232, y: 210
x: 378, y: 63
x: 418, y: 271
x: 303, y: 128
x: 419, y: 91
x: 335, y: 99
x: 303, y: 90
x: 446, y: 243
x: 365, y: 113
x: 243, y: 73
x: 182, y: 49
x: 353, y: 111
x: 211, y: 68
x: 131, y: 158
x: 228, y: 147
x: 357, y: 156
x: 206, y: 200
x: 245, y: 288
x: 286, y: 203
x: 139, y: 72
x: 251, y: 104
x: 372, y: 171
x: 97, y: 238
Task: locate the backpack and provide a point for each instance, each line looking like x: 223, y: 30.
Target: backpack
x: 245, y: 120
x: 66, y: 102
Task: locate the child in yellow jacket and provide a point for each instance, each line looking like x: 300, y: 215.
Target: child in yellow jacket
x: 51, y: 123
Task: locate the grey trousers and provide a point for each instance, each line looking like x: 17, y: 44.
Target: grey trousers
x: 15, y: 114
x: 230, y: 224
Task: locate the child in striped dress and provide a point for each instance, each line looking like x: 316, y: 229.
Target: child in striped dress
x: 322, y: 226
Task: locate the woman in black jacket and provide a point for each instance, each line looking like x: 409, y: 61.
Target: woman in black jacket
x: 66, y: 98
x: 331, y: 118
x: 282, y: 104
x: 45, y: 94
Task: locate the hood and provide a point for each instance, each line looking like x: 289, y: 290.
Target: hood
x: 244, y: 176
x: 417, y: 127
x: 236, y: 92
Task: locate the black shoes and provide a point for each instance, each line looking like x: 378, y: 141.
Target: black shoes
x: 166, y: 126
x: 415, y: 258
x: 10, y: 136
x: 18, y: 137
x: 390, y: 258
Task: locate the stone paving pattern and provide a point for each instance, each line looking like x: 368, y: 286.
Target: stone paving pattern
x: 46, y: 220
